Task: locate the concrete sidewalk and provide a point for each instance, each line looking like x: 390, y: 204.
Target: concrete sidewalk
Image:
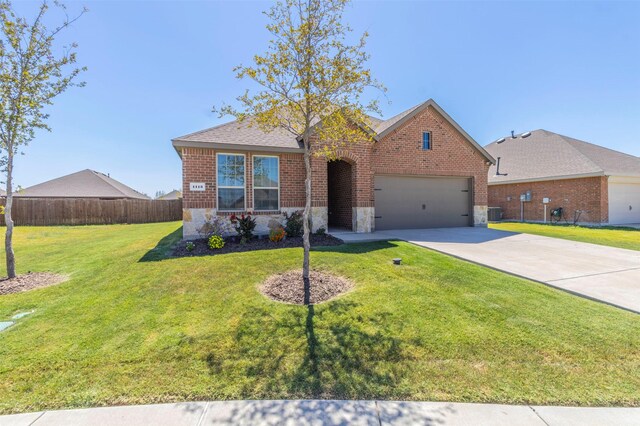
x: 327, y: 412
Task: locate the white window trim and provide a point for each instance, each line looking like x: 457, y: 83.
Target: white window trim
x: 218, y: 186
x: 253, y: 186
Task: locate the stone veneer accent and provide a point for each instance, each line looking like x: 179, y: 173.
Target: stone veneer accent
x: 480, y: 214
x: 363, y: 219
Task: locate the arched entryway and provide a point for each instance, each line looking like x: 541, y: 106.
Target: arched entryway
x: 340, y: 194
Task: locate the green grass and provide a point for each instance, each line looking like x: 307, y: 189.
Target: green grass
x: 627, y: 238
x: 131, y: 326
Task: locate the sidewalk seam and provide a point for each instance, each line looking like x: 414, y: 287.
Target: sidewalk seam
x: 204, y: 412
x: 37, y: 418
x: 539, y: 416
x: 378, y: 413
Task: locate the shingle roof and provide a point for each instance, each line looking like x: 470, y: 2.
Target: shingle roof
x: 246, y: 135
x: 242, y: 133
x: 546, y: 155
x: 83, y: 184
x: 173, y: 195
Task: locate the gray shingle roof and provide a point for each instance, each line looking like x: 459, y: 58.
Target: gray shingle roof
x: 546, y: 155
x: 242, y: 133
x: 237, y: 134
x: 83, y: 184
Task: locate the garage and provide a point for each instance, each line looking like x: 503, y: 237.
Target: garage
x: 413, y: 202
x: 624, y: 200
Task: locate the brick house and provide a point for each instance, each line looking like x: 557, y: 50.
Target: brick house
x: 422, y: 170
x: 591, y: 183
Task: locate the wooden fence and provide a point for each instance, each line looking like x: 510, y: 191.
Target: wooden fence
x: 87, y: 211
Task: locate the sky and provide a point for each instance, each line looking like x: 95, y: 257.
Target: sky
x: 156, y: 69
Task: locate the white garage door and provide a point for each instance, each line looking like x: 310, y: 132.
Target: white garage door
x: 624, y: 200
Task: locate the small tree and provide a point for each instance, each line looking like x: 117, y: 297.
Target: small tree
x: 312, y: 82
x: 31, y: 76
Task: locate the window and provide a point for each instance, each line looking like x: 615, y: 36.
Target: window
x: 266, y: 182
x: 426, y: 140
x: 230, y: 182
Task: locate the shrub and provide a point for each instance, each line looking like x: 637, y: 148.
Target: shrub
x: 215, y: 242
x: 214, y: 226
x: 244, y: 226
x: 276, y: 235
x: 321, y: 231
x: 190, y: 246
x: 294, y: 225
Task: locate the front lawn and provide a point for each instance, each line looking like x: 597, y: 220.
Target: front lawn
x: 627, y: 238
x: 132, y: 327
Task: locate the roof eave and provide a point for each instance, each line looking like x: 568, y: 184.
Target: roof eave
x: 179, y: 144
x: 547, y: 178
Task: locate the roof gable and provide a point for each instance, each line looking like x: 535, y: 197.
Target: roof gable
x: 397, y: 121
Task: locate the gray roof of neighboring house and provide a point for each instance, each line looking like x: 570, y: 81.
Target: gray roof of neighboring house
x: 242, y: 134
x: 173, y: 195
x: 83, y: 184
x: 546, y: 155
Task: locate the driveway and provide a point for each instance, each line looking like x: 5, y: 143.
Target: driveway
x: 608, y: 274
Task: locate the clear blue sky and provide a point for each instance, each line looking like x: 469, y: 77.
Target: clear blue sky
x: 156, y: 69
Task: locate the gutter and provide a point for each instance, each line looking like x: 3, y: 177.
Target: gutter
x: 178, y: 144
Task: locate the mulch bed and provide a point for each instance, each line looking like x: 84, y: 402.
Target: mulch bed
x: 289, y: 287
x: 29, y: 281
x: 233, y: 245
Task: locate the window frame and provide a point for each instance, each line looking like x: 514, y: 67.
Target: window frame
x: 218, y: 186
x: 253, y: 184
x: 430, y: 141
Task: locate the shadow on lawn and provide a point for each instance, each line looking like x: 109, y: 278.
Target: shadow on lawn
x: 163, y: 248
x: 333, y: 350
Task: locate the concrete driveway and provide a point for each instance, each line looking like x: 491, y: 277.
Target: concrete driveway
x: 608, y: 274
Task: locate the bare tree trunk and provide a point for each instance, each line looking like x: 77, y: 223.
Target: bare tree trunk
x: 306, y: 219
x: 8, y: 239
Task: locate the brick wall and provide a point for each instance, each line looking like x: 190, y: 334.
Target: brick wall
x: 339, y: 194
x: 199, y: 165
x: 587, y: 194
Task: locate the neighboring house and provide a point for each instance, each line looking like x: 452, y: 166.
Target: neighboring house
x: 82, y: 184
x: 591, y: 183
x: 423, y: 170
x: 173, y: 195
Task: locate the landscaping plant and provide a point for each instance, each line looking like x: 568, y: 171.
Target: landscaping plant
x: 277, y: 235
x: 244, y: 226
x: 321, y: 231
x: 215, y: 242
x: 311, y: 83
x: 294, y: 225
x: 190, y: 246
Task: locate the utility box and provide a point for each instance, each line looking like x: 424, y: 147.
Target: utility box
x: 494, y: 214
x: 526, y: 196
